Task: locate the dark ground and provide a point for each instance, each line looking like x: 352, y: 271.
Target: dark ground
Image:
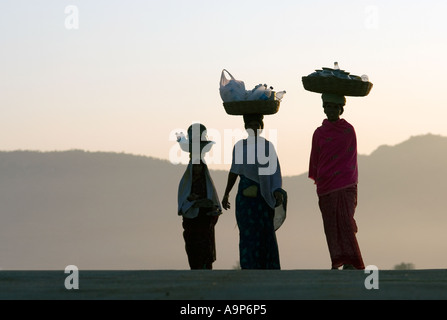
x: 223, y: 294
x: 225, y: 284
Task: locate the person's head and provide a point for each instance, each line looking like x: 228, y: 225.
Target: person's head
x: 333, y: 105
x: 253, y: 123
x: 198, y: 141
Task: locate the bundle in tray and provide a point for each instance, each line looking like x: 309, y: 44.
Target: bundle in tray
x: 239, y: 101
x: 337, y: 81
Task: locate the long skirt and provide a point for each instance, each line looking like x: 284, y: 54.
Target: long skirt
x: 337, y: 209
x: 200, y: 243
x: 258, y: 247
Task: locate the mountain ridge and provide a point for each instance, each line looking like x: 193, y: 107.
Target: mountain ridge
x: 106, y: 210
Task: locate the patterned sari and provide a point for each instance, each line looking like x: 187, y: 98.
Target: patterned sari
x: 258, y: 247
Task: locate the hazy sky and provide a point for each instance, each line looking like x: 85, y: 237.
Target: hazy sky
x: 123, y: 76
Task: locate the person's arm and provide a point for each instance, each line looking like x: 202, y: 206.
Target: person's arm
x: 230, y: 183
x: 278, y: 197
x: 313, y: 161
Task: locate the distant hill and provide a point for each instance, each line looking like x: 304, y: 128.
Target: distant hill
x: 101, y: 210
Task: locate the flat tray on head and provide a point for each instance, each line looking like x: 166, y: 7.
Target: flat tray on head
x: 265, y: 107
x: 344, y: 87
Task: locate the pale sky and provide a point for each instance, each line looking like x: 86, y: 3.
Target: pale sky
x: 123, y: 76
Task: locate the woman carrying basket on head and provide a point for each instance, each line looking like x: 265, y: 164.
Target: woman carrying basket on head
x: 333, y: 167
x: 260, y: 200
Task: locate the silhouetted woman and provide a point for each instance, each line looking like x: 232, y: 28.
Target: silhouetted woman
x: 259, y: 194
x: 333, y: 167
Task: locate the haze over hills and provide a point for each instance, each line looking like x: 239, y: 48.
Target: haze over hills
x: 107, y: 211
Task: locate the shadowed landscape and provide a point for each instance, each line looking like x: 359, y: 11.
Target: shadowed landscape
x: 225, y: 285
x: 116, y: 211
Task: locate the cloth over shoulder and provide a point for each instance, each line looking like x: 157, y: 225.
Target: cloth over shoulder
x: 333, y: 158
x: 186, y: 207
x: 257, y: 160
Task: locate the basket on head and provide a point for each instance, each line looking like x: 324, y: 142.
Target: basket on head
x: 344, y: 87
x: 264, y: 107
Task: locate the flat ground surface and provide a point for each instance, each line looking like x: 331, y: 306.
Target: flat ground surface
x: 225, y: 285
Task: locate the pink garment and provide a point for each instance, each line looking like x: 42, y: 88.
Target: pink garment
x: 337, y: 209
x: 333, y: 158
